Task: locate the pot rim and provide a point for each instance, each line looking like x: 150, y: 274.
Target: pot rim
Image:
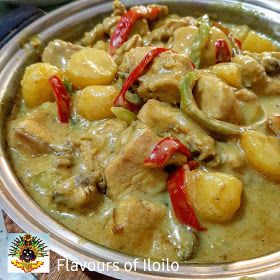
x: 14, y: 200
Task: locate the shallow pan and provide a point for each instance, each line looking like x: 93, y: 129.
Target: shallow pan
x: 69, y: 22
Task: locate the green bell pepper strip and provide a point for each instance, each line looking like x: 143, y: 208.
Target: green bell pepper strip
x: 69, y: 86
x: 188, y: 106
x: 133, y: 98
x: 123, y: 114
x: 200, y: 40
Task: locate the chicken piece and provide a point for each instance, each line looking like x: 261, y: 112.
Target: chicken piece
x: 165, y: 31
x: 250, y: 105
x: 269, y: 60
x: 64, y: 160
x: 118, y: 7
x: 270, y: 87
x: 58, y: 52
x: 39, y: 133
x: 271, y: 65
x: 161, y: 80
x: 274, y: 124
x: 252, y: 72
x: 144, y: 9
x: 164, y: 120
x: 132, y: 220
x: 101, y: 45
x: 141, y: 28
x: 217, y: 100
x: 231, y: 155
x: 33, y: 136
x: 184, y: 38
x: 87, y: 153
x: 255, y: 77
x: 97, y: 145
x: 131, y: 59
x: 245, y: 95
x: 133, y: 42
x: 126, y: 173
x: 65, y: 156
x: 100, y: 31
x: 79, y: 191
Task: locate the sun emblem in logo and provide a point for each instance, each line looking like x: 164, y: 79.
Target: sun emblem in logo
x: 27, y: 249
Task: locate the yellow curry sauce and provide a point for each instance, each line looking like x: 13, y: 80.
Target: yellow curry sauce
x: 89, y: 174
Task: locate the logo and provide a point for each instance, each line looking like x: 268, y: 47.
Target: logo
x: 28, y: 253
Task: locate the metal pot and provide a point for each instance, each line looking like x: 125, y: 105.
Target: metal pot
x: 37, y: 3
x: 68, y: 22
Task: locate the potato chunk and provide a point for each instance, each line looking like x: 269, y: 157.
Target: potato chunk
x: 217, y: 100
x: 263, y: 153
x: 257, y: 43
x: 215, y: 196
x: 132, y: 221
x: 91, y: 67
x: 95, y: 102
x: 184, y: 38
x: 229, y: 72
x: 35, y: 85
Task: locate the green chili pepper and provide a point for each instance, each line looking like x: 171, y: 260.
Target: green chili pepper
x: 74, y: 121
x: 119, y: 83
x: 189, y: 107
x: 200, y: 40
x: 186, y: 86
x: 133, y: 98
x: 123, y: 114
x: 68, y: 86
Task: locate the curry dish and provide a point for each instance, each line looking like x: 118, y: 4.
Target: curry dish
x: 156, y: 135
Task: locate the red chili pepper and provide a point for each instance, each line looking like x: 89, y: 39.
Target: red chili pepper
x: 62, y: 98
x: 222, y: 51
x: 182, y: 209
x: 122, y: 29
x: 126, y: 23
x: 236, y: 44
x: 120, y: 100
x: 193, y: 164
x: 163, y: 151
x: 239, y: 44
